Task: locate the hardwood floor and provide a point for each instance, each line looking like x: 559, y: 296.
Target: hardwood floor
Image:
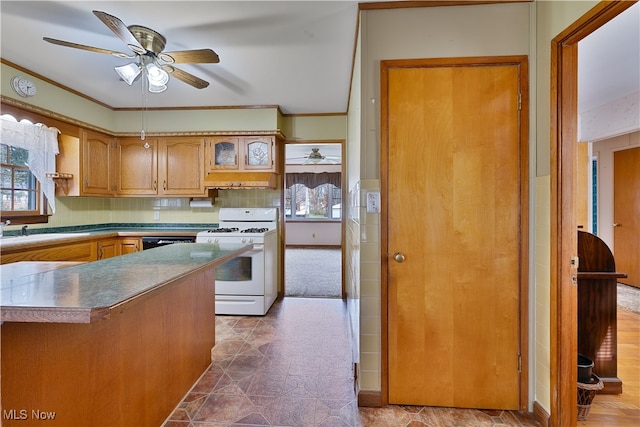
x: 621, y: 410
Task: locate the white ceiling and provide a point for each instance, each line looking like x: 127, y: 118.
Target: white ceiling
x: 609, y: 61
x: 295, y: 54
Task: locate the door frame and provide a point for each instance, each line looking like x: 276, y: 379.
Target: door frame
x: 522, y: 62
x: 343, y: 193
x: 564, y: 246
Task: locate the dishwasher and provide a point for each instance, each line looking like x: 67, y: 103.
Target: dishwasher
x: 150, y: 242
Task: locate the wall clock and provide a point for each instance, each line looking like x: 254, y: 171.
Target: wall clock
x: 23, y: 87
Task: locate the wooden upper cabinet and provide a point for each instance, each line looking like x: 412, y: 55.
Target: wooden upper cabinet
x: 97, y: 164
x: 222, y: 153
x: 164, y: 167
x: 181, y: 166
x: 90, y: 159
x: 256, y: 153
x: 259, y: 153
x: 137, y: 169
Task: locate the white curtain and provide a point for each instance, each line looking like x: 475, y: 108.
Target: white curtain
x: 41, y: 142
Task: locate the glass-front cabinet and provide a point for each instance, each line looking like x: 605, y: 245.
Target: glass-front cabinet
x: 224, y: 153
x: 241, y: 153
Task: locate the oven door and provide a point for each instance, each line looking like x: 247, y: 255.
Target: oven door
x: 243, y: 275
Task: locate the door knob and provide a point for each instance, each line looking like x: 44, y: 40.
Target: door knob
x: 398, y: 257
x: 615, y: 224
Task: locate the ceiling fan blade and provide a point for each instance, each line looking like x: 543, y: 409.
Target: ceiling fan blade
x: 189, y: 79
x: 121, y: 30
x: 196, y: 56
x: 89, y: 48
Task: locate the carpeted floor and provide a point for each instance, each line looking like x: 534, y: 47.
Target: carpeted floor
x: 629, y: 298
x: 313, y: 273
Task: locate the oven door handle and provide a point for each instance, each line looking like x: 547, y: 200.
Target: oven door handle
x: 258, y: 247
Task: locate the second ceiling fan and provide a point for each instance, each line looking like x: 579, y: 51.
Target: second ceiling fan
x: 150, y: 61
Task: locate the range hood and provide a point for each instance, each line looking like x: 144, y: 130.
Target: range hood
x: 241, y: 180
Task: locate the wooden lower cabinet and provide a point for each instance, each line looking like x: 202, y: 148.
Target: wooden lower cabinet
x: 130, y: 245
x: 91, y: 250
x: 82, y: 251
x: 118, y: 246
x: 108, y: 248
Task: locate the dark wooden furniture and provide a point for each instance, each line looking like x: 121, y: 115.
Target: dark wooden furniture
x: 597, y: 306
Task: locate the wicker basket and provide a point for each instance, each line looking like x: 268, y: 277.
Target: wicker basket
x: 586, y: 393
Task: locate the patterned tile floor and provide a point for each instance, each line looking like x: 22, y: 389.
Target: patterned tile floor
x: 293, y: 367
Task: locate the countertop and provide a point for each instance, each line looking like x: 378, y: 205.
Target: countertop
x: 36, y: 238
x: 88, y: 291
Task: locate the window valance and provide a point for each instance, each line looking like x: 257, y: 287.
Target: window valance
x: 312, y: 180
x: 41, y: 142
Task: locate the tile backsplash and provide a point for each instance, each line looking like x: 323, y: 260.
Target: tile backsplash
x: 74, y: 211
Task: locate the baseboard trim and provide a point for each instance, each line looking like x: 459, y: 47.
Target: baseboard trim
x: 370, y: 399
x: 313, y: 246
x: 541, y: 415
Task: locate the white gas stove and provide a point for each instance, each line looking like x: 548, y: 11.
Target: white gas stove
x: 246, y: 285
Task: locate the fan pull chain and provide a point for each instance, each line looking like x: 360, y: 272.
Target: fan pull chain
x: 145, y: 100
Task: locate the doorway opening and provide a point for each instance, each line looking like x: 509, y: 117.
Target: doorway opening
x: 313, y: 220
x: 564, y: 117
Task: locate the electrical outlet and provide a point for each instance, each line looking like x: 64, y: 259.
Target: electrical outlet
x: 156, y: 215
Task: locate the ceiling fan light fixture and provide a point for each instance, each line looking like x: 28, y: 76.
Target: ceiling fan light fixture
x: 315, y: 156
x: 129, y: 72
x: 156, y: 88
x: 157, y: 76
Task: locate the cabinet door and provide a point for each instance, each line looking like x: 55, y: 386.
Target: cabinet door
x: 137, y: 169
x: 223, y: 153
x: 129, y: 245
x: 181, y: 166
x: 97, y: 164
x: 258, y: 153
x: 108, y: 248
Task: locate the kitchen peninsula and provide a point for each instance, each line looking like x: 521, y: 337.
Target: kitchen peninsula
x: 116, y: 342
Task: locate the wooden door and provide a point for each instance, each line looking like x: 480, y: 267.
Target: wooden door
x: 137, y: 167
x: 456, y: 232
x: 181, y: 166
x: 626, y: 214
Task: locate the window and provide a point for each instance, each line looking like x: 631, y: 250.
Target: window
x: 320, y: 203
x: 27, y: 155
x: 19, y: 188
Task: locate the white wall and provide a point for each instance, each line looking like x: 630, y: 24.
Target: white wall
x: 430, y: 32
x: 308, y: 233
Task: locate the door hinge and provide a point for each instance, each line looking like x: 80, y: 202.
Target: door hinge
x: 519, y: 101
x: 519, y: 363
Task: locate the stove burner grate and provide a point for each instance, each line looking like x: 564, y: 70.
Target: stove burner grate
x: 255, y: 230
x: 223, y: 230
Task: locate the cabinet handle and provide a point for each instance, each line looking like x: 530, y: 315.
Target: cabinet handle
x: 155, y: 185
x: 164, y: 185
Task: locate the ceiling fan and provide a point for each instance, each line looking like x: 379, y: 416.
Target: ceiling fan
x: 316, y: 157
x: 149, y: 59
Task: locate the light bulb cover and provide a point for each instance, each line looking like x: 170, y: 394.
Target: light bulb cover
x: 156, y: 88
x: 129, y: 72
x: 156, y: 75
